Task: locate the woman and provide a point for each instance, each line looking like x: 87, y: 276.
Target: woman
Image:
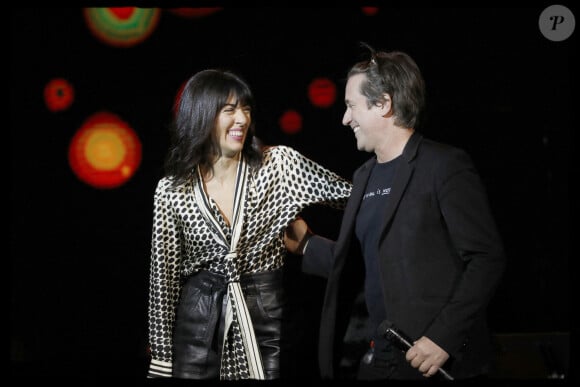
x: 216, y: 301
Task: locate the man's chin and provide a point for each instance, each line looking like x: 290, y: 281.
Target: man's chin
x: 362, y: 148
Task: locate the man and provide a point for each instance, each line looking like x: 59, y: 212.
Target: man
x: 419, y: 216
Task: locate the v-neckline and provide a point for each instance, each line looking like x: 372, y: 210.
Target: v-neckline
x: 214, y: 207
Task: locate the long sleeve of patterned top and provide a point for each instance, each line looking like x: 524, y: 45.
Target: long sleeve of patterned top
x: 183, y: 243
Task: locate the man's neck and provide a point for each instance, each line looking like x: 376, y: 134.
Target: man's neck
x: 394, y: 144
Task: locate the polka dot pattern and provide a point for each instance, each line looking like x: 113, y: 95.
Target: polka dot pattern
x: 184, y: 243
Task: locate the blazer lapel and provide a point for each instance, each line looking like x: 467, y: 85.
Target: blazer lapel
x: 401, y: 180
x: 360, y: 179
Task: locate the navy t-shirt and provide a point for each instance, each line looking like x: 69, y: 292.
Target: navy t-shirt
x: 369, y: 221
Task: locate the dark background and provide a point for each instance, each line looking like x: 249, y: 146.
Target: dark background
x: 79, y: 256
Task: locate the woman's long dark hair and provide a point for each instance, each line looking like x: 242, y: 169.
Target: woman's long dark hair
x: 193, y: 141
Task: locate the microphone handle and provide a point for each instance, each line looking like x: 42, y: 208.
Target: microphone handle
x: 445, y: 374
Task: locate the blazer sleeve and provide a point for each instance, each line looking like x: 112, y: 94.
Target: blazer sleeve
x: 465, y: 208
x: 318, y: 256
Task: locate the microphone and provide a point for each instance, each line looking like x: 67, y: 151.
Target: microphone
x: 403, y: 342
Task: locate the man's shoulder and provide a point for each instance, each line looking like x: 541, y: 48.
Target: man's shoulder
x: 437, y: 148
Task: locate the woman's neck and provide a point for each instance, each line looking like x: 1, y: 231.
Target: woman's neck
x: 223, y: 169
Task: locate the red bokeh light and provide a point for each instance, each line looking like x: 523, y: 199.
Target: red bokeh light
x: 322, y: 92
x: 122, y: 13
x: 291, y: 122
x: 177, y: 98
x: 58, y: 95
x: 194, y: 12
x: 370, y: 11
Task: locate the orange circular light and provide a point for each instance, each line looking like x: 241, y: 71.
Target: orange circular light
x: 291, y: 122
x: 105, y: 152
x: 58, y: 95
x: 322, y: 92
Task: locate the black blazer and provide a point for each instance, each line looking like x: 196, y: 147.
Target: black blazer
x: 441, y: 259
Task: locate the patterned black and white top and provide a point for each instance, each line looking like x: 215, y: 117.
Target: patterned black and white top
x: 183, y: 243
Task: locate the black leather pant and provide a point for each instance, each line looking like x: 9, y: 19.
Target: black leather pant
x: 199, y: 324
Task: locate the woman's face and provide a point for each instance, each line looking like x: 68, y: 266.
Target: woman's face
x: 232, y: 126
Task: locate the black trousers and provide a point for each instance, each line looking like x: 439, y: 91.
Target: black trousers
x: 377, y: 364
x: 199, y: 325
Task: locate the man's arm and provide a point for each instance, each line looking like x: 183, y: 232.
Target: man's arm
x: 317, y: 251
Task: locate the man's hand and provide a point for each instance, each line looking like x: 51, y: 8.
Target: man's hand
x: 426, y: 356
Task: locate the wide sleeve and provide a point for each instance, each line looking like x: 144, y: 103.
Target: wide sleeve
x: 468, y: 217
x: 164, y: 285
x: 307, y: 182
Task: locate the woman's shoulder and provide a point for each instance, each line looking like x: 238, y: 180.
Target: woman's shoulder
x: 276, y: 150
x: 279, y: 151
x: 166, y: 185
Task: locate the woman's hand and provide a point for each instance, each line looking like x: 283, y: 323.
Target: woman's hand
x: 296, y: 235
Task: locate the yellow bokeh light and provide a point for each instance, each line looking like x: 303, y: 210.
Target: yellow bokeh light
x: 104, y: 149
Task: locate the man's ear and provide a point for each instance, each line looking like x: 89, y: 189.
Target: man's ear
x: 387, y: 105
